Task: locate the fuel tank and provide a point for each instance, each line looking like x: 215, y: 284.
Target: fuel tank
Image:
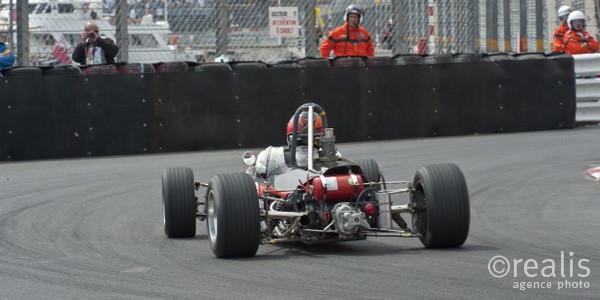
x: 339, y: 186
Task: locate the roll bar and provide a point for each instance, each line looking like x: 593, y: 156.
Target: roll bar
x: 294, y: 143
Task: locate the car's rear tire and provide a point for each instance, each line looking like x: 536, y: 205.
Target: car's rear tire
x: 370, y: 169
x: 233, y: 216
x: 179, y: 202
x: 442, y: 200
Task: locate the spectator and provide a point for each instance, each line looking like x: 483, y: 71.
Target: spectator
x: 577, y: 40
x: 559, y: 32
x: 387, y: 35
x: 94, y: 49
x: 7, y: 58
x: 61, y: 52
x: 350, y: 39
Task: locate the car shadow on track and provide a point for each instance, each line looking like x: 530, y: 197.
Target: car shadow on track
x: 355, y: 249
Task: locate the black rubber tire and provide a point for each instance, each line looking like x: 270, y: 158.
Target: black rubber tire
x: 211, y: 66
x: 408, y: 59
x: 136, y: 68
x: 179, y: 202
x: 378, y: 61
x: 100, y: 69
x: 314, y: 63
x: 529, y: 56
x: 351, y: 61
x: 248, y: 66
x: 466, y: 57
x: 62, y: 70
x: 289, y: 65
x: 437, y: 59
x: 22, y: 72
x: 233, y: 216
x: 444, y: 215
x: 171, y: 66
x: 370, y: 169
x: 499, y: 56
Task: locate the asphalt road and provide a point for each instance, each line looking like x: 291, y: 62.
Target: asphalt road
x: 92, y: 229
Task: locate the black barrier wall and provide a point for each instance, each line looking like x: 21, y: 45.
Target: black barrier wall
x: 114, y: 114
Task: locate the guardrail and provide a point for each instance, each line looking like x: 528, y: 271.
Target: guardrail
x: 587, y: 86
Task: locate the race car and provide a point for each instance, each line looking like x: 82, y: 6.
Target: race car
x: 306, y: 192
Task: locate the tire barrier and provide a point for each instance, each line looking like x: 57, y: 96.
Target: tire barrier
x: 497, y: 56
x: 60, y: 70
x: 285, y: 64
x: 172, y: 66
x: 22, y: 72
x: 211, y: 66
x: 213, y: 107
x: 314, y: 63
x: 248, y: 65
x: 137, y: 68
x: 529, y: 56
x: 466, y: 57
x: 347, y: 62
x: 408, y: 59
x: 99, y: 69
x: 437, y: 59
x: 378, y: 61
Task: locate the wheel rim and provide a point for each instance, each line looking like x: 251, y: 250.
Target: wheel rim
x: 211, y: 217
x: 419, y: 218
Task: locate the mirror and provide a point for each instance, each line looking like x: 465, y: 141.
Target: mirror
x: 249, y: 158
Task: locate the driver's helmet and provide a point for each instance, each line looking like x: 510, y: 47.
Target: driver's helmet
x: 303, y: 128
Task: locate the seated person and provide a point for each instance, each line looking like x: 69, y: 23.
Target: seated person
x: 276, y: 160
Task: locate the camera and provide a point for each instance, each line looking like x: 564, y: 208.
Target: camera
x: 91, y: 35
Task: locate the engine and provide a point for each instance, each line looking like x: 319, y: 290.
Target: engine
x: 347, y: 219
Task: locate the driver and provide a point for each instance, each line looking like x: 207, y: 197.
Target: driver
x: 302, y: 140
x: 275, y: 160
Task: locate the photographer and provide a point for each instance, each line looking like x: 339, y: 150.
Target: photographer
x: 95, y: 49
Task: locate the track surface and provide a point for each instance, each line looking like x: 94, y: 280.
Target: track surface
x: 92, y: 229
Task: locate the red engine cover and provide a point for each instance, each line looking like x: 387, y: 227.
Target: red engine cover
x: 337, y: 186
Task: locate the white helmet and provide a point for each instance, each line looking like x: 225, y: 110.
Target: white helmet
x: 564, y: 11
x: 353, y: 9
x: 223, y: 58
x: 575, y: 15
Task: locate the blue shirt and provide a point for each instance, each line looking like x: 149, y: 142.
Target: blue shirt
x: 7, y: 58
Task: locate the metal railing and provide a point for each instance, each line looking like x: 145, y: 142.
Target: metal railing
x: 587, y: 68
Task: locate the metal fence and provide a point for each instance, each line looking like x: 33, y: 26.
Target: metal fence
x: 201, y: 30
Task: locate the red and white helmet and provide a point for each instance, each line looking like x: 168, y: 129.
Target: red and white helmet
x: 303, y: 126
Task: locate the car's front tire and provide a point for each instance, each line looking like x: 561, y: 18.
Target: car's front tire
x: 179, y: 202
x: 233, y: 216
x: 441, y: 199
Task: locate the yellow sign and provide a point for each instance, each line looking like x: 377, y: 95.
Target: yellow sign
x: 318, y: 13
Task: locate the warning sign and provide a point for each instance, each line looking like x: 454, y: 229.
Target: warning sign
x: 283, y: 21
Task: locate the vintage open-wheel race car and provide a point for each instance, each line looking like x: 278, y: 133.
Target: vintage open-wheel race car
x: 306, y: 192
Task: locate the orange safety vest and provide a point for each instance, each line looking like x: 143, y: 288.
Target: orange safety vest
x: 559, y: 34
x: 573, y: 42
x: 345, y: 41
